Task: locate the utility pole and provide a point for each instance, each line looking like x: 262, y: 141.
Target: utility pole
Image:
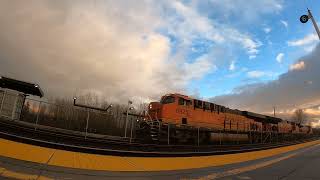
x: 305, y: 18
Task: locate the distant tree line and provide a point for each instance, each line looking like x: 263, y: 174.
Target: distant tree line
x: 300, y: 117
x: 61, y: 113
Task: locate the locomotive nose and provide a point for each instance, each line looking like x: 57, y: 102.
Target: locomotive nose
x: 154, y: 110
x: 154, y: 106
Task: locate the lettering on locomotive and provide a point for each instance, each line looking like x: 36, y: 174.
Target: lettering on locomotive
x: 182, y: 111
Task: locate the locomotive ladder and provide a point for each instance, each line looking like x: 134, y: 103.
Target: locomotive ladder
x: 155, y: 130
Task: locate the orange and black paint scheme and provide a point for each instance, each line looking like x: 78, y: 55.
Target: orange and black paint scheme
x: 189, y: 117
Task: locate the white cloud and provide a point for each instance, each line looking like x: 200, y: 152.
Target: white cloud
x: 257, y: 74
x: 297, y: 66
x: 252, y: 56
x: 267, y: 30
x: 119, y: 49
x: 309, y: 48
x: 189, y: 25
x: 308, y: 39
x: 232, y: 66
x: 279, y: 57
x: 93, y: 46
x: 199, y: 67
x: 293, y: 89
x: 246, y: 41
x: 237, y: 73
x: 284, y: 23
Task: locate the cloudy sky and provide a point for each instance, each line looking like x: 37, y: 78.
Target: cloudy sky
x: 244, y: 54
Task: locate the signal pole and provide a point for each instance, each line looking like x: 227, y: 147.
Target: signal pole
x: 305, y: 18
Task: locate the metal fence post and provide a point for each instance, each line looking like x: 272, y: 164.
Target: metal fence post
x: 78, y: 128
x: 58, y: 111
x: 57, y: 116
x: 198, y: 136
x: 261, y: 136
x: 168, y: 134
x: 220, y: 140
x: 2, y: 101
x: 87, y: 123
x: 67, y: 119
x: 126, y: 124
x: 38, y: 113
x: 237, y: 132
x: 131, y: 130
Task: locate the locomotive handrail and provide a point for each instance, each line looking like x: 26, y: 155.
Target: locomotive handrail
x: 200, y: 125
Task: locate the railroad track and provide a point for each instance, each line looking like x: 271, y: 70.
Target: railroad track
x: 54, y: 138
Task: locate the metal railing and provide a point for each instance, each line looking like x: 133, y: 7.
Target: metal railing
x: 63, y: 116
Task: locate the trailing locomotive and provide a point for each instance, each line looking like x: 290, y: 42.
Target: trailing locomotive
x: 179, y: 118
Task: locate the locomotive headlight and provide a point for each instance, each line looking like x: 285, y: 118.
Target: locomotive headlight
x: 150, y: 106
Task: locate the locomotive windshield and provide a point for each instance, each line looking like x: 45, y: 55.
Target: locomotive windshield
x: 167, y: 100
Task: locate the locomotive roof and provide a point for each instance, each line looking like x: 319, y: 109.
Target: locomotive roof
x: 261, y: 117
x: 179, y: 95
x: 255, y: 116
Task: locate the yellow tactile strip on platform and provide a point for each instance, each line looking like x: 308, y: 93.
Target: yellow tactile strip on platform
x: 114, y: 163
x: 24, y: 151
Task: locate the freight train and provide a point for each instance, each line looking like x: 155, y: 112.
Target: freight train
x: 181, y: 119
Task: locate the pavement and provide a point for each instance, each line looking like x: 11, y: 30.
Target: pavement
x: 303, y: 166
x: 22, y: 161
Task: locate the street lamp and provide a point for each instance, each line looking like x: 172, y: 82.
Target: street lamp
x: 304, y: 18
x: 90, y: 107
x: 88, y: 111
x: 110, y: 106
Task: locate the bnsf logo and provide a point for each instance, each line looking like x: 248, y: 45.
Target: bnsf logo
x: 182, y: 111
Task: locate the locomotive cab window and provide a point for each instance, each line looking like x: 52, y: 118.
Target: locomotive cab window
x: 214, y: 107
x: 206, y: 106
x: 211, y: 107
x: 167, y: 100
x: 184, y: 102
x: 197, y: 103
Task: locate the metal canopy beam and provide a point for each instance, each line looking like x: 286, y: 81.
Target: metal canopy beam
x: 21, y: 86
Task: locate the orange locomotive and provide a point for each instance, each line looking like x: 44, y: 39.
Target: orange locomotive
x: 187, y: 118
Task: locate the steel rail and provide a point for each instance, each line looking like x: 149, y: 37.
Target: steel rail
x: 95, y: 150
x: 129, y: 150
x: 121, y: 142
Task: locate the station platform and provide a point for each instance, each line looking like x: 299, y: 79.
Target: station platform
x: 24, y: 161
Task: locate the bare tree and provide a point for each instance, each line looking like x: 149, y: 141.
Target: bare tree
x: 299, y: 116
